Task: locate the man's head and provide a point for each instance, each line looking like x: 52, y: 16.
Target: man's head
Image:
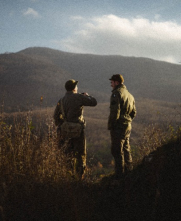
x: 116, y: 79
x: 71, y: 85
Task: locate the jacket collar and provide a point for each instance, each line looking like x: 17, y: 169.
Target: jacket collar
x: 69, y: 92
x: 119, y: 86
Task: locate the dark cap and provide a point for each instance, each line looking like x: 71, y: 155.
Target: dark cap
x: 117, y: 77
x: 70, y: 85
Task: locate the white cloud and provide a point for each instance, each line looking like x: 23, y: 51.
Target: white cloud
x: 31, y: 12
x: 74, y: 18
x: 138, y: 37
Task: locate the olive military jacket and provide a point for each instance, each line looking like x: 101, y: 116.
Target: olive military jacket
x: 122, y: 107
x: 73, y: 104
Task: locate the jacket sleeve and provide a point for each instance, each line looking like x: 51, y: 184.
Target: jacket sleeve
x: 89, y: 101
x: 133, y: 112
x: 57, y: 116
x: 114, y: 110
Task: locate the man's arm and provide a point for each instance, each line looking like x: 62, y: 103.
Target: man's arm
x: 57, y: 114
x: 114, y: 111
x: 133, y: 112
x: 88, y: 100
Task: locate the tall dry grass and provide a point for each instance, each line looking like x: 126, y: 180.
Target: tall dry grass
x: 34, y: 174
x: 28, y: 144
x: 29, y: 152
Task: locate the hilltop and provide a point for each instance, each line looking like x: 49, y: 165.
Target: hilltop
x: 34, y: 184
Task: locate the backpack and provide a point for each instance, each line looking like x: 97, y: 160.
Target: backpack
x: 70, y: 129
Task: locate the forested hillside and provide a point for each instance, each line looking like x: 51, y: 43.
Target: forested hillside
x: 34, y: 72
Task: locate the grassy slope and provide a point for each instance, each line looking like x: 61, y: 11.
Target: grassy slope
x: 151, y: 192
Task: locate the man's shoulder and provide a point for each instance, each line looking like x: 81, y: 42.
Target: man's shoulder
x: 121, y: 88
x: 59, y: 101
x: 73, y: 98
x: 118, y: 90
x: 77, y: 97
x: 73, y: 94
x: 115, y: 94
x: 70, y: 96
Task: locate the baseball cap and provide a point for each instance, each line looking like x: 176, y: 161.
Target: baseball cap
x: 70, y: 84
x: 117, y: 77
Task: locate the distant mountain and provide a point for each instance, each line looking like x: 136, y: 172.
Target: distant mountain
x: 34, y: 72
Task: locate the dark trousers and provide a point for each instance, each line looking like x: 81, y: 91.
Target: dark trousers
x: 120, y: 148
x: 75, y: 152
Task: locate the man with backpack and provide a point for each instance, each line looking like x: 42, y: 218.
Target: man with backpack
x: 68, y: 116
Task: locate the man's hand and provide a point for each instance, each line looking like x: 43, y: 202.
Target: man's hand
x: 85, y: 94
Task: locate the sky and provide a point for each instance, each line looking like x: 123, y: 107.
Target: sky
x: 139, y: 28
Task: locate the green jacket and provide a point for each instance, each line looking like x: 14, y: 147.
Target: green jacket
x: 122, y: 107
x: 73, y: 104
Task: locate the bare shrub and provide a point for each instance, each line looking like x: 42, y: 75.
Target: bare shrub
x: 25, y: 153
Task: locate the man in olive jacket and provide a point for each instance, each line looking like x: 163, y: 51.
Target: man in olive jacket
x: 73, y: 104
x: 122, y: 112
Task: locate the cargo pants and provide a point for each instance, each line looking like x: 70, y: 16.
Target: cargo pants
x: 120, y: 149
x: 75, y: 152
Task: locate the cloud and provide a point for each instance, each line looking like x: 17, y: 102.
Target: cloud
x: 75, y: 18
x: 31, y: 12
x: 140, y: 37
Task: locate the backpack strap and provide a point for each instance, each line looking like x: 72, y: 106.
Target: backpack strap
x: 63, y: 113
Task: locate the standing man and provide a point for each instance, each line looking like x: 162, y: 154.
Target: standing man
x: 122, y: 112
x: 70, y: 108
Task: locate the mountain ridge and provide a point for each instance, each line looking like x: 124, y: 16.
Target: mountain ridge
x: 34, y: 72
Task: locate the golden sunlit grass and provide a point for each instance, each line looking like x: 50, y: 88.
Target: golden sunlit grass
x: 34, y: 173
x: 25, y: 153
x: 29, y: 143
